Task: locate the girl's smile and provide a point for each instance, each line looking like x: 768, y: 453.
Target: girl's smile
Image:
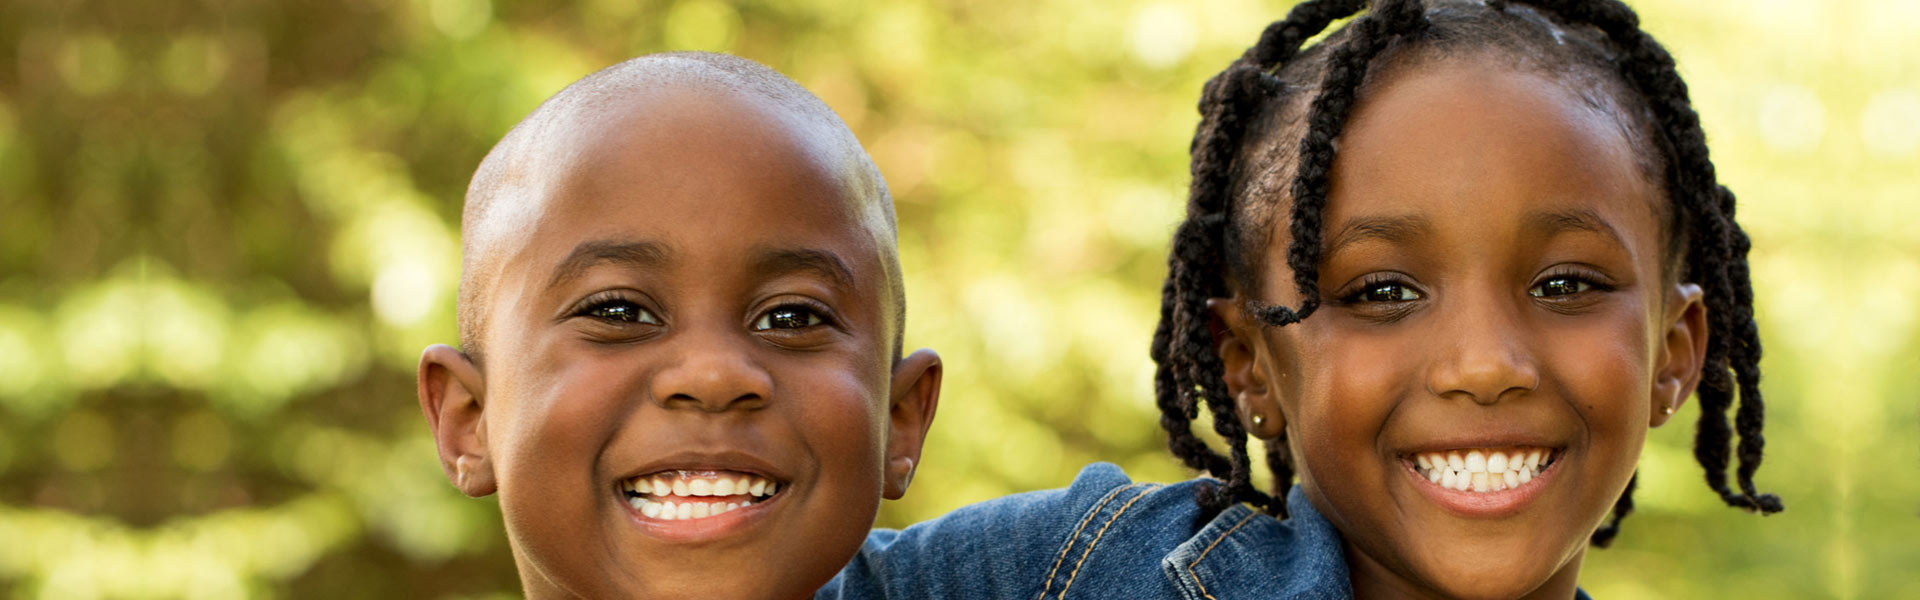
x: 1484, y: 481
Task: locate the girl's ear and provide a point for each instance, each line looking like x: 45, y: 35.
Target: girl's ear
x: 1683, y: 351
x: 1237, y: 343
x: 915, y: 395
x: 452, y: 397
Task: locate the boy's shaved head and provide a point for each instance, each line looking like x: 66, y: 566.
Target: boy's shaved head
x: 513, y: 183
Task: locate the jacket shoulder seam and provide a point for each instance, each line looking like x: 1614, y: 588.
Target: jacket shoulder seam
x: 1145, y: 490
x: 1209, y: 548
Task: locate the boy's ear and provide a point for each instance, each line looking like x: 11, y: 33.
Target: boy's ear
x: 1234, y: 342
x: 914, y: 397
x: 452, y: 396
x: 1683, y: 351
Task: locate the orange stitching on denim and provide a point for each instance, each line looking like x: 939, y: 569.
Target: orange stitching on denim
x: 1216, y: 542
x: 1097, y: 536
x: 1076, y: 535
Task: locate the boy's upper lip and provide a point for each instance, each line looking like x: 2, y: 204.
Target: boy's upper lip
x: 706, y: 460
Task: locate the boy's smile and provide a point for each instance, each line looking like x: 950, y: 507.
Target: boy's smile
x: 689, y: 376
x: 1498, y: 333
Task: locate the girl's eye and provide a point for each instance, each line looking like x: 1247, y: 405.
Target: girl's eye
x: 789, y: 316
x: 1559, y: 286
x: 1386, y: 292
x: 621, y: 311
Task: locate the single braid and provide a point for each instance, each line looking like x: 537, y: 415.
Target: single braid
x: 1326, y: 118
x: 1603, y: 536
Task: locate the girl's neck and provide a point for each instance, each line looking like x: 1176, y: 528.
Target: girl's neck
x: 1373, y: 581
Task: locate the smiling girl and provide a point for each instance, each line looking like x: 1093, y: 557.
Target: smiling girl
x: 1449, y: 265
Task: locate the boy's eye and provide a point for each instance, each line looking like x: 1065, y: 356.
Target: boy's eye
x: 1559, y: 286
x: 1386, y: 292
x: 787, y: 317
x: 621, y: 311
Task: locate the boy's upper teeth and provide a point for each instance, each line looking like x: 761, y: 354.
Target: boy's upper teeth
x: 702, y: 483
x: 1483, y: 469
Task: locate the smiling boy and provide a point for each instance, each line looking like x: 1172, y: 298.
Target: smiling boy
x: 681, y: 314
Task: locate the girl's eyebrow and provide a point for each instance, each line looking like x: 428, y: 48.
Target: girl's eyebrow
x: 1390, y: 229
x: 1555, y: 222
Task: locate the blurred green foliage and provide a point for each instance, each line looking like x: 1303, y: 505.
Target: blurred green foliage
x: 227, y: 227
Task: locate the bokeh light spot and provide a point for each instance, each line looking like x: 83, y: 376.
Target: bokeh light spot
x: 91, y: 64
x: 1890, y: 124
x: 1792, y: 120
x: 460, y: 19
x: 194, y: 64
x: 1162, y: 34
x: 701, y: 25
x: 201, y: 441
x: 404, y: 292
x: 83, y: 441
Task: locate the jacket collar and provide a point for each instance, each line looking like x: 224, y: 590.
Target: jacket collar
x: 1245, y: 554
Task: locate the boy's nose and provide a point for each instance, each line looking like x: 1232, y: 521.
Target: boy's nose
x: 1484, y: 357
x: 713, y: 376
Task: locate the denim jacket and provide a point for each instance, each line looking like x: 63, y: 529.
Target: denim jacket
x: 1103, y: 537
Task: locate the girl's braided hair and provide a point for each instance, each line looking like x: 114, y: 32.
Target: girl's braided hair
x: 1251, y: 138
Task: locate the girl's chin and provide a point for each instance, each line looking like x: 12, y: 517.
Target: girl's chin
x: 1492, y: 568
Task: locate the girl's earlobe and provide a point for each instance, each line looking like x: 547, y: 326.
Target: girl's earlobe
x: 1262, y: 422
x: 1682, y: 353
x: 1245, y: 378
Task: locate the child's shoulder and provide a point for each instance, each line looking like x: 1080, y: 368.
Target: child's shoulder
x: 1103, y: 536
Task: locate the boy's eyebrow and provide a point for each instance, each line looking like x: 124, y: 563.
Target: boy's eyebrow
x: 1557, y: 222
x: 1392, y: 229
x: 593, y: 252
x: 768, y: 262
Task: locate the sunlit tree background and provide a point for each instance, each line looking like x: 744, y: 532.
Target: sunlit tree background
x: 227, y: 227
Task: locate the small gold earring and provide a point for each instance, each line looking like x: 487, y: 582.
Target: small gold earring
x: 1668, y: 409
x: 1259, y: 420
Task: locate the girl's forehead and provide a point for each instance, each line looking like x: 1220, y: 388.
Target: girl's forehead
x: 1458, y: 138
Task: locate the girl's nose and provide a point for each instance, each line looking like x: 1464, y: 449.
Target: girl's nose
x: 1484, y: 356
x: 713, y: 374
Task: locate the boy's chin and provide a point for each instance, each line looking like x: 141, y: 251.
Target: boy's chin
x: 651, y: 579
x: 620, y: 560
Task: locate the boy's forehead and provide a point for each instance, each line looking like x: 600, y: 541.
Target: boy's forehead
x: 744, y: 171
x: 667, y: 136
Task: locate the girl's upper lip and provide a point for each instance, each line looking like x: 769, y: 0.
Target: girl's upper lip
x: 707, y: 460
x: 1490, y: 441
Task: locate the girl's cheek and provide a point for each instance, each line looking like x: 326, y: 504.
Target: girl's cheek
x: 1605, y: 368
x: 1349, y: 385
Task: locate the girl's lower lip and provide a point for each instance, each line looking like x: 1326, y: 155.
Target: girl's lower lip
x: 1488, y: 505
x: 686, y: 531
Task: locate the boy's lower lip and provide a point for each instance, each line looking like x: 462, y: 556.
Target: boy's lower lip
x: 1488, y: 505
x: 684, y: 531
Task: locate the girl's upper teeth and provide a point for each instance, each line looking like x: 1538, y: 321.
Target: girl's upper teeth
x: 1483, y: 469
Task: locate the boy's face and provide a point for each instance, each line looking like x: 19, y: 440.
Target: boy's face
x: 696, y: 300
x: 1493, y: 285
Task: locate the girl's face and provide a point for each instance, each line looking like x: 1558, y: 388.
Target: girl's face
x: 1493, y: 284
